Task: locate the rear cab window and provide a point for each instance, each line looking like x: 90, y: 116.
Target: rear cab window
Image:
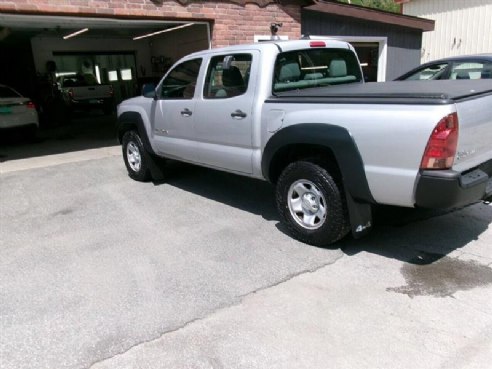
x: 315, y: 68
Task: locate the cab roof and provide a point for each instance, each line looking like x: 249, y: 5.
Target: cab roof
x: 279, y: 45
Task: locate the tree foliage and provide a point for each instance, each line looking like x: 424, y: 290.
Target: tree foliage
x: 387, y: 5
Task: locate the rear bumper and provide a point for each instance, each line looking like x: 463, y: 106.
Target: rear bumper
x: 449, y: 189
x: 6, y: 126
x: 91, y: 103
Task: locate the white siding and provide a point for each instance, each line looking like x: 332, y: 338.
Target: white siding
x: 462, y: 26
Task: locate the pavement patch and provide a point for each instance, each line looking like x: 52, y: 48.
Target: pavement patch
x: 435, y: 275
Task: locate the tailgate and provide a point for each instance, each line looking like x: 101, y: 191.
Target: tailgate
x: 475, y: 132
x: 91, y: 92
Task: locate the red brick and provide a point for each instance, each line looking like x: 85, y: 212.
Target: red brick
x: 231, y: 23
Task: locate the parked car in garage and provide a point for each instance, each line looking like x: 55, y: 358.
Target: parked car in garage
x: 459, y: 67
x: 17, y: 111
x: 85, y: 92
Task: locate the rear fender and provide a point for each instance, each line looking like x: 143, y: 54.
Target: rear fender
x: 339, y: 141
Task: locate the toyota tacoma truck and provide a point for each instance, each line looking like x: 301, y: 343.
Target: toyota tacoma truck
x: 297, y: 114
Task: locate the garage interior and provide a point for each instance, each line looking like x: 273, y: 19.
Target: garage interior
x: 37, y: 50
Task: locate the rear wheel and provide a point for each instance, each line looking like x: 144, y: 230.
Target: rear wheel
x: 311, y: 204
x: 135, y: 157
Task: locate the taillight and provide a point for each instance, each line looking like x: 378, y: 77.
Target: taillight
x: 30, y: 105
x: 317, y: 44
x: 442, y: 144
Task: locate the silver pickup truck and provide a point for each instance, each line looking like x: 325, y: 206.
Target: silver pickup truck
x: 297, y: 114
x: 83, y: 92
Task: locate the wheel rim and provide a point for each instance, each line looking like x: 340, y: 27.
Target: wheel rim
x: 307, y: 204
x: 133, y: 156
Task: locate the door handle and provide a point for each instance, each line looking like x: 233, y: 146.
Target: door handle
x: 238, y: 114
x: 186, y: 112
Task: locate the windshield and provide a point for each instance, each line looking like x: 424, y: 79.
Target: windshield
x: 314, y: 68
x: 6, y: 92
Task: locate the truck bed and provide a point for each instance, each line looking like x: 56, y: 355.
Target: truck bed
x: 404, y: 113
x: 401, y: 92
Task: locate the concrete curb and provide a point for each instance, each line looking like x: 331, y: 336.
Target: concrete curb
x: 51, y: 160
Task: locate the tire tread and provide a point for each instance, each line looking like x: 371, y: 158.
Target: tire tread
x: 336, y: 225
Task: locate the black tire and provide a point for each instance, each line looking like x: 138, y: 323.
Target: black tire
x: 317, y: 216
x: 135, y: 157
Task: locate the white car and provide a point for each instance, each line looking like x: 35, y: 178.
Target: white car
x: 17, y: 111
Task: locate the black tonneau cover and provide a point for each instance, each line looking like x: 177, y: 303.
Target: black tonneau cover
x: 399, y: 92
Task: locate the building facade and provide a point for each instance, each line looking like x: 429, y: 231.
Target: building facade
x: 388, y: 44
x: 461, y: 27
x: 127, y: 42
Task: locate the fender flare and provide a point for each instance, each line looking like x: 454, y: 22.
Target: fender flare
x: 335, y: 138
x: 130, y: 119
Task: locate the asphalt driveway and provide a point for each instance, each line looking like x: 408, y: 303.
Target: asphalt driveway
x: 97, y: 270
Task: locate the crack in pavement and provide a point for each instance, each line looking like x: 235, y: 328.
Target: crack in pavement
x: 240, y: 299
x: 290, y: 277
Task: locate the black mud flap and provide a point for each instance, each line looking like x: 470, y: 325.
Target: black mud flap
x: 360, y: 215
x: 156, y: 167
x: 488, y: 192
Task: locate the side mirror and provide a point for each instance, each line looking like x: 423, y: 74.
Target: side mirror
x: 148, y: 90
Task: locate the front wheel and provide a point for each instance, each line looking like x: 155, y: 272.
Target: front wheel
x: 135, y: 157
x: 311, y: 204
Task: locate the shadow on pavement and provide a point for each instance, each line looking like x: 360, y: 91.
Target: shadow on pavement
x: 89, y: 130
x: 251, y: 195
x: 421, y: 236
x: 416, y: 236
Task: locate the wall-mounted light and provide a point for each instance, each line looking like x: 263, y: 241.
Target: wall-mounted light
x: 75, y: 33
x: 163, y: 31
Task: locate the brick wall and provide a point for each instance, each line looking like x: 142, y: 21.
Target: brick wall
x: 232, y: 22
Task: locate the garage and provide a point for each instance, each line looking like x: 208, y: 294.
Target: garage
x: 121, y: 43
x: 40, y: 52
x: 33, y: 47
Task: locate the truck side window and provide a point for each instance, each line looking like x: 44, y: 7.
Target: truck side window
x: 434, y: 71
x: 181, y: 81
x: 225, y: 80
x: 471, y: 70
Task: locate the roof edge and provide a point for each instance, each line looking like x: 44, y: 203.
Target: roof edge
x: 375, y: 15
